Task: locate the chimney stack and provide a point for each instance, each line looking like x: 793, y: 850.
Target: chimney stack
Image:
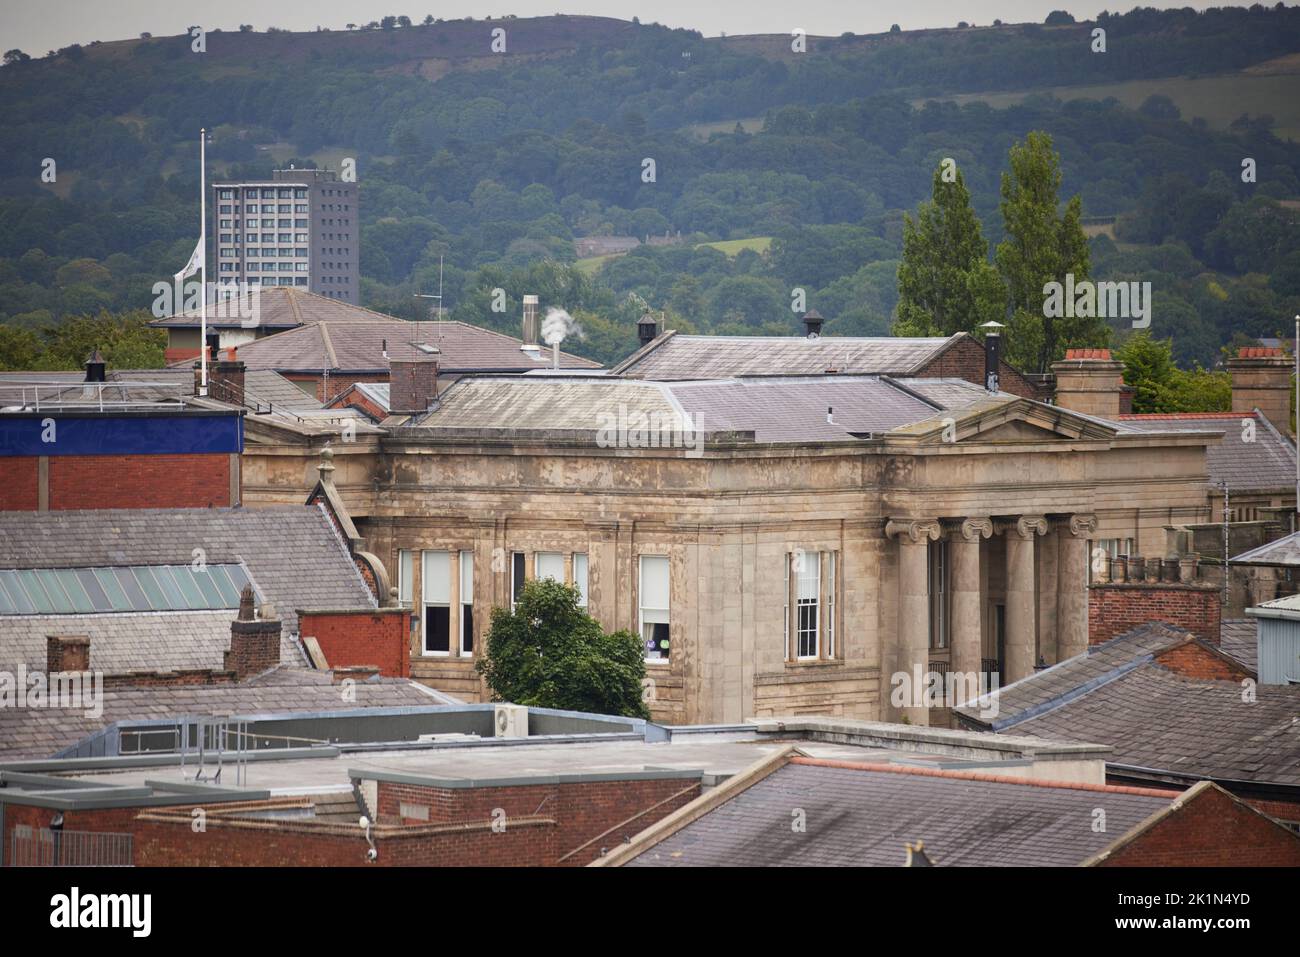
x: 254, y: 642
x: 67, y: 653
x: 1091, y: 382
x: 412, y: 385
x: 1261, y: 379
x: 647, y: 329
x: 993, y: 355
x: 226, y: 380
x: 812, y: 323
x: 530, y: 321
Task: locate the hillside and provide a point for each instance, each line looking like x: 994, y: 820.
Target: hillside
x: 497, y: 161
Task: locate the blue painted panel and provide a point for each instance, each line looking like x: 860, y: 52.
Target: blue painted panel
x: 120, y: 434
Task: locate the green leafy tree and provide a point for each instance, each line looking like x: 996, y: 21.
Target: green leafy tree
x: 945, y: 281
x: 1043, y: 245
x: 549, y: 653
x: 1160, y: 386
x: 19, y: 349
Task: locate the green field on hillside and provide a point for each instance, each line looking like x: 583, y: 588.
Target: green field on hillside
x: 1217, y: 99
x: 759, y: 244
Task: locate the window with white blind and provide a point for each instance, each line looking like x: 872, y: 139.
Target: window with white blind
x: 654, y: 605
x: 549, y: 565
x: 405, y: 576
x: 435, y: 582
x: 811, y: 583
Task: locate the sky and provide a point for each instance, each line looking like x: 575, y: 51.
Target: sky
x: 36, y: 26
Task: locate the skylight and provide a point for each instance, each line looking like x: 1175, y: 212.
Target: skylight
x: 85, y: 591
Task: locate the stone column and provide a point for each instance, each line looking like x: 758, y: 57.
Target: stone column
x: 1047, y: 560
x: 1072, y: 585
x: 967, y: 617
x: 1022, y: 637
x: 912, y: 647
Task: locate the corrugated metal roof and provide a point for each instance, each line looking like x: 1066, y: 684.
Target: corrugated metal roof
x: 776, y: 410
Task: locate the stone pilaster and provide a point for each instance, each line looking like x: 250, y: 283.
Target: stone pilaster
x: 912, y: 644
x: 967, y: 618
x: 1022, y: 636
x: 1072, y: 585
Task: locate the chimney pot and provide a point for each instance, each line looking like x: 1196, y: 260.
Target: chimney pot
x: 530, y: 320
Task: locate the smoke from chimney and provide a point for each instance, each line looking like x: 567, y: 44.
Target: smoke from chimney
x: 556, y: 327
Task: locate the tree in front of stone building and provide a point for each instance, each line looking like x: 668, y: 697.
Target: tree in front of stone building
x: 549, y: 653
x: 1044, y: 244
x: 1160, y: 386
x: 945, y: 282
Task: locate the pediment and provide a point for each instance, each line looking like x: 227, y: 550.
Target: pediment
x: 1000, y: 419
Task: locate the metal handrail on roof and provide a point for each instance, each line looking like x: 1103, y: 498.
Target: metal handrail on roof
x: 40, y: 395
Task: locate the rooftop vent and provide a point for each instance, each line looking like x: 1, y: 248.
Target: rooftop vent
x: 812, y: 323
x: 95, y: 367
x: 647, y: 329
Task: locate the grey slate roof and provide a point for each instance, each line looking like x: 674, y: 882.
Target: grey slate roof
x: 676, y: 356
x: 360, y: 346
x: 263, y: 387
x: 792, y: 409
x: 1239, y: 639
x: 1267, y: 462
x: 1283, y: 551
x: 43, y: 732
x: 133, y: 641
x: 1153, y: 718
x: 279, y: 307
x: 293, y: 554
x: 865, y: 817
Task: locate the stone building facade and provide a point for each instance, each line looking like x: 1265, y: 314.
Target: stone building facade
x: 802, y: 577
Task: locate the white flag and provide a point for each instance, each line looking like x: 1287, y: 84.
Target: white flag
x: 191, y: 267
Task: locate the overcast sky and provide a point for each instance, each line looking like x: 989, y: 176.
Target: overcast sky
x: 36, y: 26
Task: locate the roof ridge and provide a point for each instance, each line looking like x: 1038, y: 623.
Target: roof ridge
x: 328, y: 344
x: 982, y: 776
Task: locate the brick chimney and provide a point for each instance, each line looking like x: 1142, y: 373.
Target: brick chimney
x: 1091, y: 382
x: 254, y: 642
x: 1261, y: 379
x: 67, y: 653
x: 226, y: 380
x: 412, y: 385
x: 1115, y: 608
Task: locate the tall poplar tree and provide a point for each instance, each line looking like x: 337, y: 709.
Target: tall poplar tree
x: 1043, y: 244
x: 945, y: 281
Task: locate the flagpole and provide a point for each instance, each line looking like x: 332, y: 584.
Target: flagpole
x: 203, y: 262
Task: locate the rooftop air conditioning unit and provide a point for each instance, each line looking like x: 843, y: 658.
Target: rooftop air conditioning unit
x: 511, y: 721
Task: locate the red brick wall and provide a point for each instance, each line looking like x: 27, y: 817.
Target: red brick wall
x: 172, y: 843
x: 1116, y: 608
x: 1194, y: 661
x: 19, y: 490
x: 582, y: 809
x: 965, y: 360
x: 1211, y: 830
x: 337, y: 383
x: 139, y: 481
x: 1282, y: 810
x: 106, y: 820
x: 378, y: 637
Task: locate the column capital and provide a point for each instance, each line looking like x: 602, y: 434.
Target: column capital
x: 1082, y: 524
x: 1024, y: 527
x: 973, y: 529
x: 916, y: 529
